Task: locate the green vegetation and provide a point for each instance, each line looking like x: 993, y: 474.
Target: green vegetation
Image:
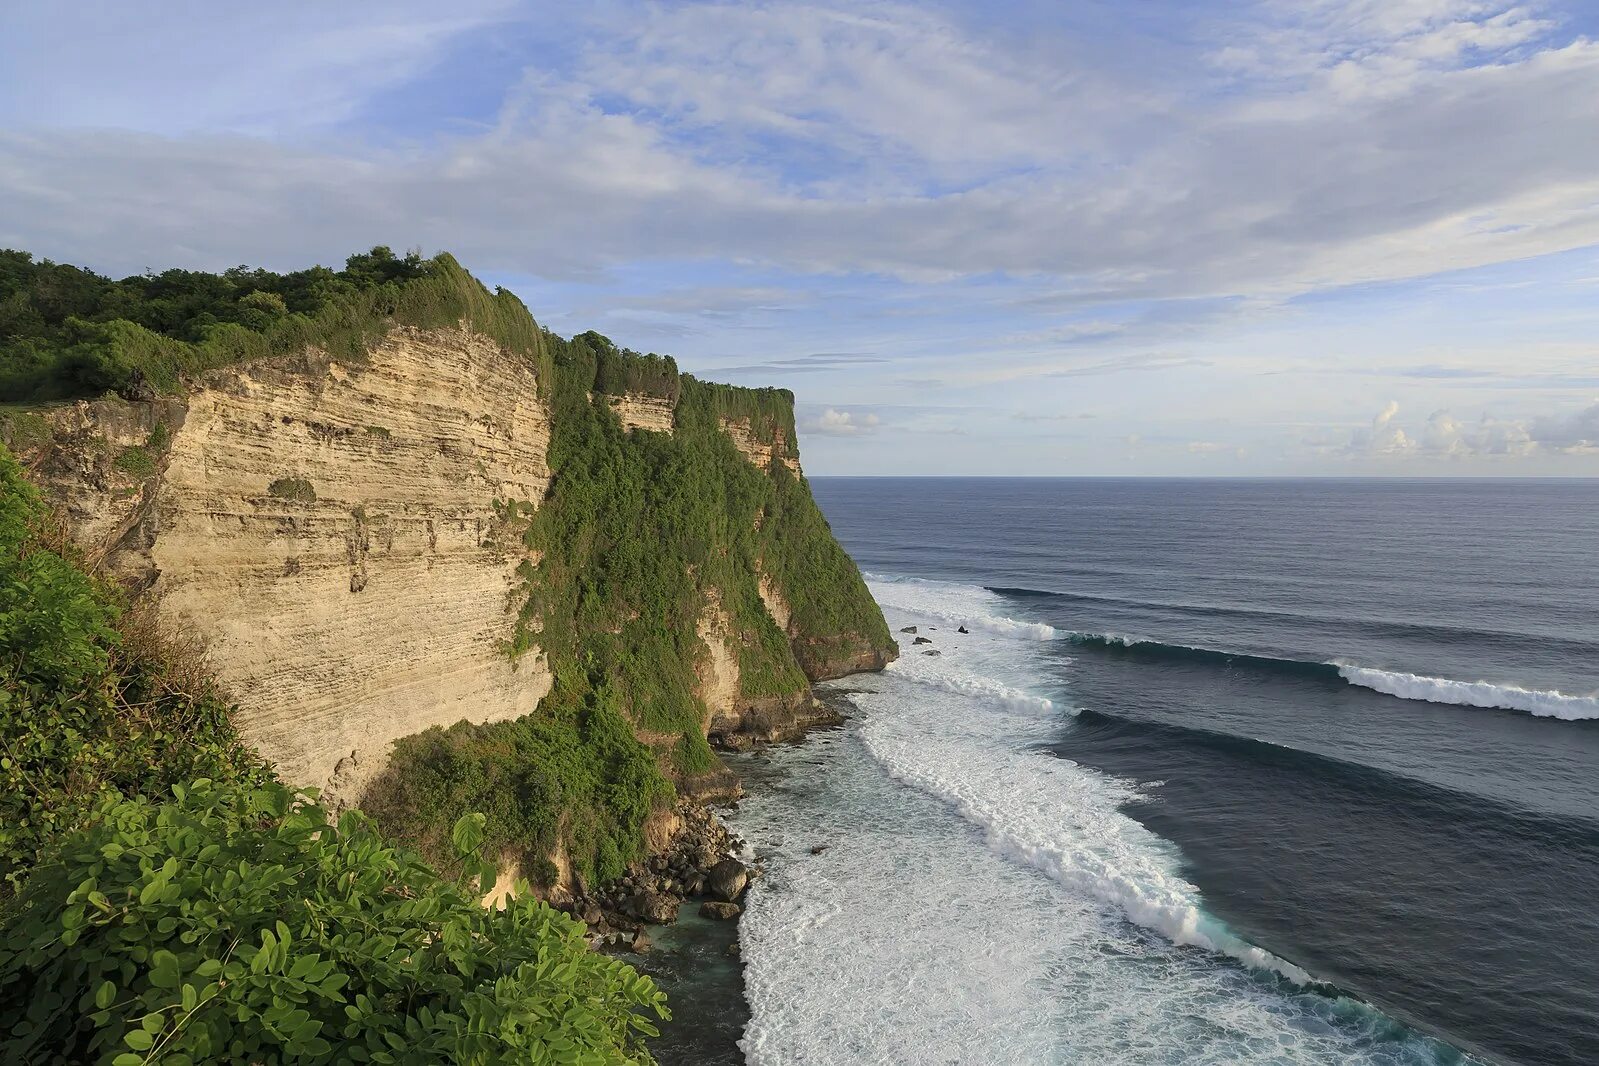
x: 638, y: 530
x: 92, y: 696
x: 135, y: 461
x: 167, y: 901
x: 295, y: 489
x: 67, y: 332
x: 236, y: 924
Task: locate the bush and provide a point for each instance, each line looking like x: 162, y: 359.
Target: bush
x: 92, y: 698
x: 238, y: 925
x: 296, y: 489
x: 67, y: 332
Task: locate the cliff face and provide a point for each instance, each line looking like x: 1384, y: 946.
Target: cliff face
x: 327, y: 529
x: 347, y: 537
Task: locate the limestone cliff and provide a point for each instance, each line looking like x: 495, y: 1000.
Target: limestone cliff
x: 328, y: 530
x: 361, y: 542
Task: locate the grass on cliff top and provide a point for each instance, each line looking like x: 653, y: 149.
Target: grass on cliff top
x: 66, y: 332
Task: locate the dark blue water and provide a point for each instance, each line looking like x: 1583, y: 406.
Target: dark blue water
x: 1242, y: 643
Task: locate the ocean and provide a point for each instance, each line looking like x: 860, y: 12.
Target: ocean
x: 1220, y: 772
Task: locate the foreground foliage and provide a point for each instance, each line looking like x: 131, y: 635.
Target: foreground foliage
x: 92, y: 698
x: 236, y: 925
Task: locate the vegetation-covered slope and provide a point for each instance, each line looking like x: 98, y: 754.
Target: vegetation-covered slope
x: 165, y: 900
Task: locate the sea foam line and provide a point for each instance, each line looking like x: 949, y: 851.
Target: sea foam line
x: 967, y: 605
x: 1540, y: 702
x: 976, y: 686
x: 1056, y: 817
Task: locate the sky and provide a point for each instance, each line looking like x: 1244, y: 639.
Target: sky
x: 1165, y: 237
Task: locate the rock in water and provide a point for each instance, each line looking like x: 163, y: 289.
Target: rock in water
x: 641, y: 943
x: 727, y: 880
x: 653, y: 907
x: 908, y: 629
x: 932, y: 651
x: 963, y: 629
x: 719, y: 911
x: 922, y: 640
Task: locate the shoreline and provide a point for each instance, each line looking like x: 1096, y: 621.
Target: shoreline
x: 694, y: 957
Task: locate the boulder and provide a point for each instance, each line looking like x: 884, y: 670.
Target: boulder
x: 653, y: 907
x: 718, y: 910
x: 922, y: 640
x: 908, y: 629
x: 727, y: 880
x: 963, y: 629
x: 933, y: 651
x: 817, y: 849
x: 641, y: 943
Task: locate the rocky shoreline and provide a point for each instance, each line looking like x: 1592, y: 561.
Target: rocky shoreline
x: 702, y: 863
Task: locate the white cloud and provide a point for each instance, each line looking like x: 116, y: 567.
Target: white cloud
x: 257, y: 68
x: 835, y: 423
x: 1273, y: 191
x: 1445, y: 436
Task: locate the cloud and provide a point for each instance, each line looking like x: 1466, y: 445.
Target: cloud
x: 1576, y: 433
x: 835, y: 423
x: 1445, y: 436
x: 803, y: 364
x: 897, y: 142
x: 244, y: 68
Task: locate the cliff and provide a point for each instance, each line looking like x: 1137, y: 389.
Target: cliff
x: 443, y: 560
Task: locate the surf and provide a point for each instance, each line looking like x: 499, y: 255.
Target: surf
x: 1487, y: 695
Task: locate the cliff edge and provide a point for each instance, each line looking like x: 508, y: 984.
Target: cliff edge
x: 446, y: 560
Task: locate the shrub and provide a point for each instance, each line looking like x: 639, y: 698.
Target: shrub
x: 92, y: 698
x: 135, y: 461
x: 236, y: 924
x: 295, y: 489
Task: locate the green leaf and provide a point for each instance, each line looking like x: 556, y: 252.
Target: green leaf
x: 138, y: 1040
x: 105, y: 995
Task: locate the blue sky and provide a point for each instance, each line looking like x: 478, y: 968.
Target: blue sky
x: 1337, y: 237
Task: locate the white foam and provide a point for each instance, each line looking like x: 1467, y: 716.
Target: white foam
x: 946, y: 601
x: 923, y: 932
x: 1049, y: 813
x: 1540, y: 702
x: 986, y: 690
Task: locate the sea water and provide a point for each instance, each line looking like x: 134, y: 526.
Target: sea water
x: 1221, y: 772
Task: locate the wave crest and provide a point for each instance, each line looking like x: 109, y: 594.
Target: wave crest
x: 1544, y: 703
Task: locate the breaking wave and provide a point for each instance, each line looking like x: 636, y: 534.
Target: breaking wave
x: 956, y: 604
x: 1051, y: 814
x: 1544, y: 703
